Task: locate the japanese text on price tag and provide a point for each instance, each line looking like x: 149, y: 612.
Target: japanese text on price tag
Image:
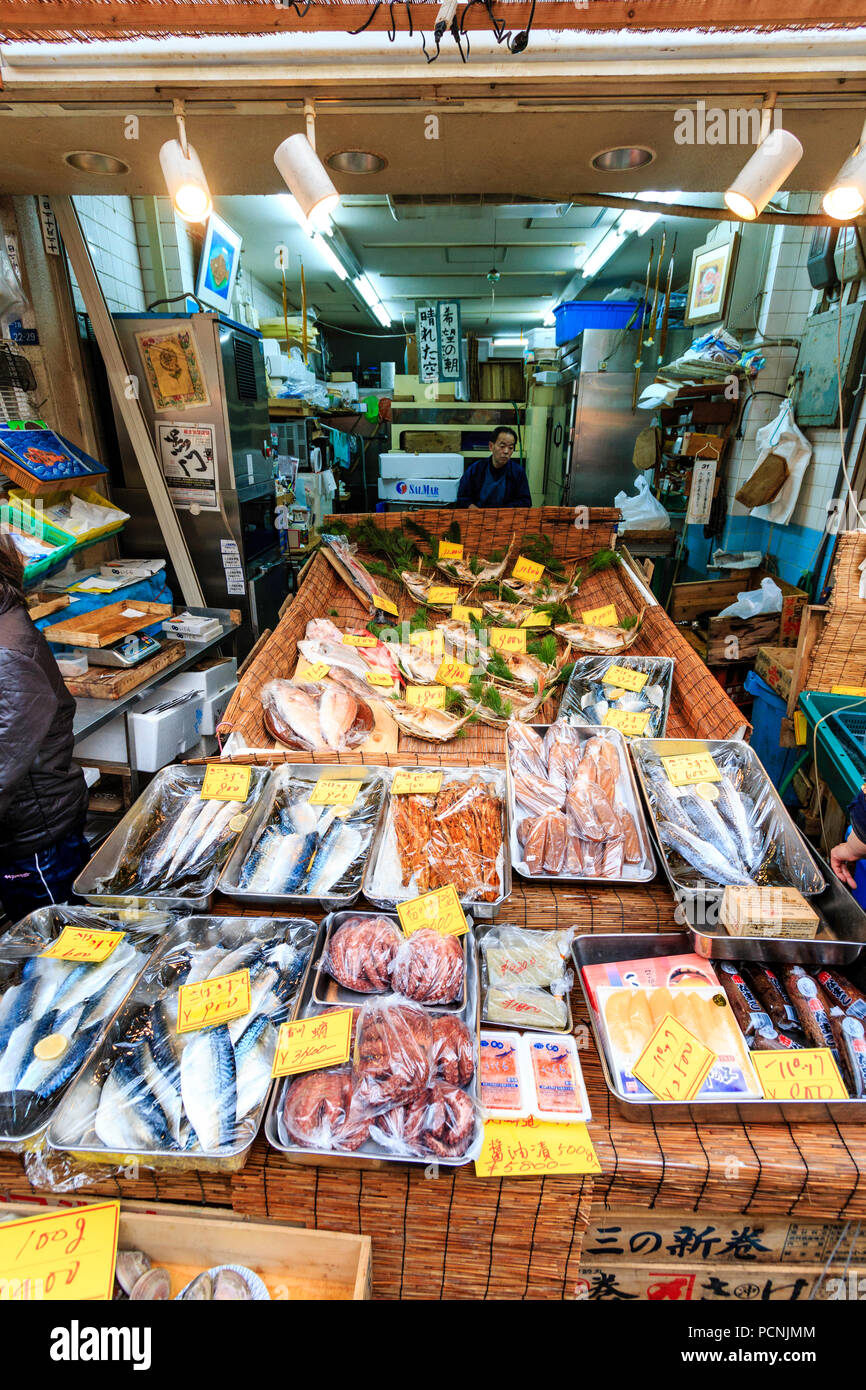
x: 686, y: 768
x: 431, y: 696
x: 310, y: 670
x: 60, y: 1255
x: 453, y: 672
x: 381, y: 678
x: 443, y: 593
x: 450, y: 550
x: 462, y: 614
x: 440, y: 910
x: 530, y: 1148
x: 334, y: 791
x: 536, y: 620
x: 432, y: 642
x: 508, y: 639
x: 80, y: 943
x: 527, y: 570
x: 805, y: 1074
x: 226, y: 782
x: 600, y: 617
x: 208, y: 1002
x: 311, y: 1043
x: 632, y: 723
x: 359, y: 639
x: 625, y: 678
x: 386, y: 604
x: 420, y: 783
x: 674, y: 1064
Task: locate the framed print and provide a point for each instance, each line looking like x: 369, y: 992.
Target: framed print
x: 218, y: 267
x: 172, y: 370
x: 710, y: 281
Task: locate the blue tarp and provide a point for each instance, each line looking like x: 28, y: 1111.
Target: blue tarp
x: 153, y: 590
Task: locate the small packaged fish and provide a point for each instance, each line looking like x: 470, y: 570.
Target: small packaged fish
x: 170, y: 1089
x: 295, y: 852
x: 170, y: 846
x: 558, y: 1092
x: 54, y: 1010
x: 601, y: 688
x: 520, y: 967
x: 505, y: 1087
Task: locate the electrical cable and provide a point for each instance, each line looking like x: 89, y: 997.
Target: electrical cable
x: 356, y: 333
x: 781, y: 395
x: 353, y: 33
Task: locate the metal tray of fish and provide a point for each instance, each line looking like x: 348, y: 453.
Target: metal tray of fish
x: 601, y: 949
x: 371, y: 1154
x: 328, y: 990
x: 320, y: 851
x: 733, y: 830
x: 54, y: 1013
x: 168, y: 850
x: 521, y: 1022
x: 626, y: 795
x: 467, y: 862
x: 189, y: 1101
x: 588, y: 698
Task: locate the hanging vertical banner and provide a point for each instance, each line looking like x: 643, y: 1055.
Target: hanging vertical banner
x: 448, y: 314
x: 428, y: 341
x: 701, y: 495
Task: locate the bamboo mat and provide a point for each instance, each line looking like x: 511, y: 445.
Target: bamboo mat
x: 839, y: 656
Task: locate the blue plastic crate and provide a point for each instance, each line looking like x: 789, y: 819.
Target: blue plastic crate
x: 575, y: 315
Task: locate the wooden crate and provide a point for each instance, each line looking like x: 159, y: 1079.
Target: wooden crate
x: 502, y: 381
x: 705, y: 600
x: 429, y: 442
x: 775, y: 665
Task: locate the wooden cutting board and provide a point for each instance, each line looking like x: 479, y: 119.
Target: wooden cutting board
x: 107, y: 683
x: 102, y: 627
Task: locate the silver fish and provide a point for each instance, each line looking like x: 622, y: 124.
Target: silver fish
x: 709, y: 826
x: 129, y: 1117
x: 208, y: 1083
x: 339, y: 851
x: 703, y: 857
x: 254, y: 1057
x: 731, y: 807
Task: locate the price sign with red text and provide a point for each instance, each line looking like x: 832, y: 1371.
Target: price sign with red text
x: 687, y: 768
x: 527, y: 571
x: 310, y: 670
x: 206, y: 1003
x: 625, y: 678
x: 359, y: 639
x: 384, y: 679
x: 334, y: 791
x: 632, y: 723
x: 601, y: 617
x: 386, y: 604
x: 432, y: 643
x: 450, y: 550
x: 508, y: 639
x: 63, y: 1255
x: 80, y: 943
x: 453, y: 672
x: 440, y: 910
x: 674, y: 1064
x: 809, y: 1073
x: 536, y: 620
x: 431, y: 696
x: 311, y: 1043
x: 226, y: 782
x: 461, y: 614
x: 443, y: 593
x: 417, y: 783
x: 532, y: 1148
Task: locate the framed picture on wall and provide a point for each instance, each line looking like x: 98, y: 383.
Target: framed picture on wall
x: 710, y: 281
x: 218, y: 267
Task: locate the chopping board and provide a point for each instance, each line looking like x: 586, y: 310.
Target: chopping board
x: 108, y: 683
x: 102, y: 627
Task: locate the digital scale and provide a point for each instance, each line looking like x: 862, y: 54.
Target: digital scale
x: 129, y: 652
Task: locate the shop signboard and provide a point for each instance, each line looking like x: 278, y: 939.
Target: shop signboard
x: 188, y: 457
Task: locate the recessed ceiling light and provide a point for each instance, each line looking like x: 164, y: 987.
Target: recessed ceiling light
x: 90, y: 162
x: 356, y: 162
x: 622, y: 159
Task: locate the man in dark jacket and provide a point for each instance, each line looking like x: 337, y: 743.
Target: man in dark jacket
x: 43, y: 795
x: 497, y: 481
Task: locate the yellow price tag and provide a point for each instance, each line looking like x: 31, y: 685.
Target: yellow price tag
x: 431, y: 642
x: 334, y: 791
x: 446, y: 594
x: 601, y: 617
x: 80, y: 943
x: 848, y: 689
x: 63, y: 1255
x: 226, y: 782
x: 206, y: 1003
x: 536, y: 620
x: 532, y: 1148
x: 686, y: 768
x: 508, y: 639
x: 632, y: 723
x: 800, y: 727
x: 440, y: 910
x: 429, y: 696
x: 453, y: 672
x: 310, y: 670
x: 359, y: 639
x: 464, y: 615
x: 419, y: 783
x: 808, y: 1073
x: 450, y: 550
x: 311, y: 1043
x: 386, y: 604
x: 625, y: 678
x: 674, y: 1064
x: 381, y: 678
x: 528, y: 571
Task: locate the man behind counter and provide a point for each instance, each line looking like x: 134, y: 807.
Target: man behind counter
x: 498, y: 481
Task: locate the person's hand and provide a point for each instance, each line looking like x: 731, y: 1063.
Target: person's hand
x: 840, y: 857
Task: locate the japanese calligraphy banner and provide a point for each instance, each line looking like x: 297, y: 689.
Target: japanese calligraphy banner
x: 427, y: 333
x: 448, y: 321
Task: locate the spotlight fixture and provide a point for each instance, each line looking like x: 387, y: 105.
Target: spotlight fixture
x: 763, y: 175
x: 183, y: 174
x: 845, y: 199
x: 304, y: 173
x: 622, y: 159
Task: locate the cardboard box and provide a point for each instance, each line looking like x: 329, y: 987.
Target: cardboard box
x: 434, y: 490
x: 775, y: 665
x: 399, y: 466
x: 767, y: 912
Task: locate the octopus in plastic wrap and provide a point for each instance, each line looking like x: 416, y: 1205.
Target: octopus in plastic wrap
x: 453, y: 1057
x: 453, y: 837
x: 361, y: 951
x: 429, y: 968
x: 393, y: 1053
x: 439, y: 1124
x: 321, y: 1111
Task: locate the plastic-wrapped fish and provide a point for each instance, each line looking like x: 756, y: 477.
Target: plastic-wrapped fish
x: 315, y: 716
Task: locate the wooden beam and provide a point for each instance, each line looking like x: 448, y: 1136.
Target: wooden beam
x: 812, y: 622
x: 35, y: 19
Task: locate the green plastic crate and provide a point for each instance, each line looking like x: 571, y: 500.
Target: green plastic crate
x: 842, y: 771
x: 12, y: 517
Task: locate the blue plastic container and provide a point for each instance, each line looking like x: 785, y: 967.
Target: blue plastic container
x: 768, y: 711
x: 575, y: 315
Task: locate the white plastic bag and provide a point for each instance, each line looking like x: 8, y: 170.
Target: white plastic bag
x: 782, y: 437
x: 751, y: 602
x: 641, y: 512
x: 13, y: 300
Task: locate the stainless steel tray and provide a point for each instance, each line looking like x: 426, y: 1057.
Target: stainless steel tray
x: 229, y: 878
x: 643, y: 872
x: 483, y: 911
x: 327, y: 990
x: 520, y: 1027
x: 660, y: 670
x: 595, y: 950
x: 107, y: 858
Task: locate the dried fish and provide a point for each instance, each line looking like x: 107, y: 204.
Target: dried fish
x: 424, y: 721
x: 599, y: 639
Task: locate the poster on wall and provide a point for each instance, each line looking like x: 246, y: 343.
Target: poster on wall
x: 448, y: 323
x: 710, y: 281
x: 428, y: 342
x: 701, y: 494
x: 188, y: 460
x: 172, y: 369
x: 218, y: 267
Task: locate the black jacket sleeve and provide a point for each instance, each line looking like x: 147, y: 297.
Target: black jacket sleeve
x: 522, y: 496
x: 467, y: 492
x: 27, y: 709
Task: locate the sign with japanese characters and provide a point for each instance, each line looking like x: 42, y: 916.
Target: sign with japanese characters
x: 532, y: 1148
x: 439, y: 909
x: 448, y: 319
x: 82, y: 944
x: 60, y: 1255
x: 808, y: 1073
x: 427, y: 332
x: 308, y: 1044
x: 684, y: 769
x: 188, y: 458
x: 206, y: 1003
x: 674, y: 1064
x: 226, y: 782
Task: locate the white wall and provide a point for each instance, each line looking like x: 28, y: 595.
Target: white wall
x: 110, y: 231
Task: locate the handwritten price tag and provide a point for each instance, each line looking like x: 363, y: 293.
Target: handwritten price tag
x: 209, y: 1002
x: 431, y: 696
x: 381, y: 678
x: 311, y: 1043
x: 334, y: 791
x: 536, y: 620
x: 440, y: 910
x: 310, y: 670
x: 625, y: 678
x: 359, y: 639
x: 807, y: 1074
x: 226, y: 782
x: 601, y: 617
x: 632, y: 723
x: 674, y: 1064
x: 508, y: 639
x: 386, y: 604
x: 527, y: 571
x: 686, y: 768
x: 421, y: 783
x: 443, y: 593
x: 450, y: 550
x: 431, y: 643
x: 531, y: 1148
x: 60, y: 1255
x: 460, y: 614
x: 848, y: 689
x: 453, y: 672
x: 79, y: 943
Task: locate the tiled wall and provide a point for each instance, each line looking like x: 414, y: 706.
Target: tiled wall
x: 109, y: 227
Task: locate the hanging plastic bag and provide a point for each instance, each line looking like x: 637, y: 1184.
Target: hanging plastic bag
x: 752, y: 602
x: 641, y: 512
x: 782, y: 438
x: 13, y: 300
